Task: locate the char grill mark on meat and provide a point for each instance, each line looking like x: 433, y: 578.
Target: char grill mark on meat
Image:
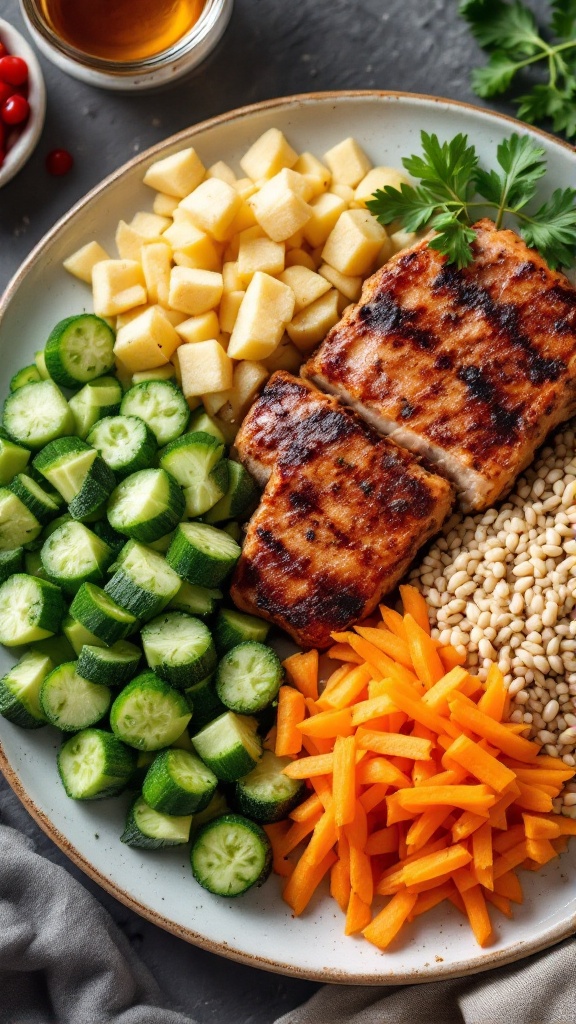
x: 342, y: 516
x: 470, y: 368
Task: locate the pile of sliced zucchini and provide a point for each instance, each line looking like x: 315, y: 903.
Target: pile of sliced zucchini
x: 117, y: 538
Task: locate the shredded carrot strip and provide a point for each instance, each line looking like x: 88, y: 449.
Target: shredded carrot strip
x: 419, y: 789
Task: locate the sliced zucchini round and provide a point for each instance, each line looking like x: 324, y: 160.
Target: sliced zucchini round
x: 41, y: 504
x: 95, y: 400
x: 30, y: 609
x: 265, y: 794
x: 71, y: 702
x: 100, y: 615
x: 151, y: 830
x: 79, y: 349
x: 231, y: 854
x: 240, y: 499
x: 77, y: 635
x: 197, y: 462
x: 229, y: 745
x: 20, y: 691
x: 37, y: 413
x: 27, y: 375
x: 233, y: 627
x: 11, y: 561
x: 148, y: 713
x: 202, y: 554
x: 94, y: 764
x: 73, y: 555
x: 179, y: 648
x: 18, y: 525
x: 195, y: 600
x: 204, y: 702
x: 178, y: 782
x: 146, y: 505
x: 161, y: 405
x: 248, y: 677
x: 111, y: 666
x: 13, y: 459
x: 143, y: 582
x: 125, y: 443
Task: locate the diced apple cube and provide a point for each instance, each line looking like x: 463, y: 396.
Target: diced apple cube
x: 124, y: 318
x: 213, y: 402
x: 292, y: 180
x: 378, y: 177
x: 279, y: 210
x: 403, y: 240
x: 213, y: 206
x: 177, y: 174
x: 245, y: 187
x: 354, y: 243
x: 222, y: 171
x: 306, y: 285
x: 309, y: 327
x: 247, y: 380
x: 117, y: 285
x: 326, y: 209
x: 128, y: 242
x: 317, y: 174
x: 82, y: 262
x: 199, y: 328
x: 164, y: 205
x: 387, y: 250
x: 348, y: 162
x: 350, y: 287
x: 150, y: 225
x: 267, y: 307
x: 195, y: 248
x: 243, y: 219
x: 228, y: 311
x: 205, y: 368
x: 194, y: 291
x: 268, y: 155
x: 285, y: 357
x: 299, y: 258
x: 147, y: 341
x: 166, y: 372
x: 296, y: 241
x: 172, y: 315
x: 157, y: 264
x: 260, y: 254
x: 231, y: 278
x: 343, y: 191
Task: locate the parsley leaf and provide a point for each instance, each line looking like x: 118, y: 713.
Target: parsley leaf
x: 453, y: 186
x: 508, y: 31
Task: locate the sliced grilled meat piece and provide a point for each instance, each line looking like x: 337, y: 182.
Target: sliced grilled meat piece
x: 343, y: 514
x: 470, y: 368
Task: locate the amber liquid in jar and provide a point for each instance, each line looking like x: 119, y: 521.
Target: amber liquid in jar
x: 121, y: 30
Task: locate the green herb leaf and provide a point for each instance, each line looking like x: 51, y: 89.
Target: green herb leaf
x: 453, y: 186
x: 552, y: 229
x: 453, y: 239
x: 495, y: 77
x: 508, y: 31
x: 414, y: 206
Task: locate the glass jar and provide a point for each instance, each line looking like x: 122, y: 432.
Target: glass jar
x: 126, y: 75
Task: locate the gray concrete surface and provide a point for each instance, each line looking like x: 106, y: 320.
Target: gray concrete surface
x: 271, y: 48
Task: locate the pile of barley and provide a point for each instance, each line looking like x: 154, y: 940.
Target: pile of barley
x: 502, y: 585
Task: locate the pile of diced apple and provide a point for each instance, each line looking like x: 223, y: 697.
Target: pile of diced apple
x: 229, y: 278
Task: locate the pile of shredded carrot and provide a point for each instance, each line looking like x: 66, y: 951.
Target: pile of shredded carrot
x: 419, y: 789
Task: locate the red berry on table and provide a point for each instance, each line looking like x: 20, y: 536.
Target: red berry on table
x: 15, y: 110
x: 13, y: 70
x: 59, y: 162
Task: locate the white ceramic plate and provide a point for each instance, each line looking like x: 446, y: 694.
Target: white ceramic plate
x: 257, y: 929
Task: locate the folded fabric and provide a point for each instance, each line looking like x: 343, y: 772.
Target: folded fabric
x: 62, y: 958
x: 538, y: 990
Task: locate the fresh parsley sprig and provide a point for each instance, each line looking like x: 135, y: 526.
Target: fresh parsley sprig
x: 510, y: 35
x: 453, y: 191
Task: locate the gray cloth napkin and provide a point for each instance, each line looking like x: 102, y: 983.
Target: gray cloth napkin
x: 64, y: 961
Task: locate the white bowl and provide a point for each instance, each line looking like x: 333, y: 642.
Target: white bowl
x: 25, y: 144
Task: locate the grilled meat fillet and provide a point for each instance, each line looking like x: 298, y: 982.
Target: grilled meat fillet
x: 469, y: 368
x: 343, y: 514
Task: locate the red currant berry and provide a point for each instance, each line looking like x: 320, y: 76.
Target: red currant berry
x: 13, y: 70
x: 3, y: 50
x: 15, y: 110
x: 59, y: 162
x: 6, y: 91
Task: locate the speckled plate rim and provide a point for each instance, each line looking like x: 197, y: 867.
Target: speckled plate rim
x: 435, y: 972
